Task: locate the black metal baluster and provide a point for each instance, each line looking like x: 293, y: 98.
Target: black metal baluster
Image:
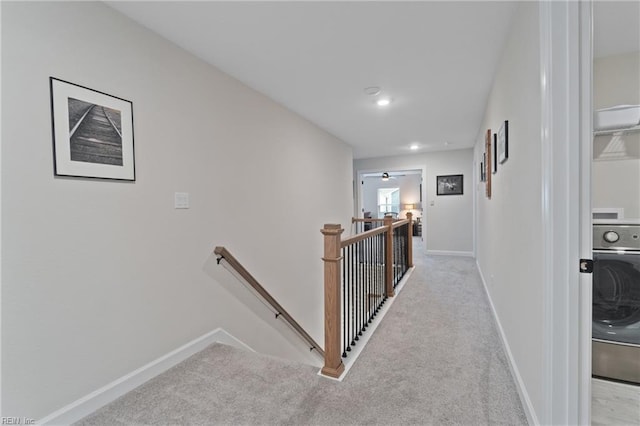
x: 356, y: 301
x: 354, y: 265
x: 395, y: 258
x: 371, y: 295
x: 362, y: 279
x: 369, y: 292
x: 360, y: 298
x: 345, y: 263
x: 378, y: 264
x: 399, y: 255
x: 364, y: 283
x: 374, y: 275
x: 405, y: 258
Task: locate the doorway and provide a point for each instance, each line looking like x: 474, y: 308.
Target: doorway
x: 396, y: 191
x: 615, y: 195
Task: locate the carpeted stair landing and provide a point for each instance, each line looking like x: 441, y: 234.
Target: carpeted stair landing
x: 436, y: 358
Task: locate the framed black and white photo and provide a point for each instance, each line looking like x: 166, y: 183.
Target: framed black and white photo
x: 92, y: 133
x: 503, y: 142
x: 449, y: 185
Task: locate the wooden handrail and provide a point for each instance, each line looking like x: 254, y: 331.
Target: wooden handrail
x: 359, y: 237
x: 281, y: 312
x: 400, y: 223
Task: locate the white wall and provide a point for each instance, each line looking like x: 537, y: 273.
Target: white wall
x: 509, y: 226
x: 101, y: 277
x: 409, y: 192
x: 448, y: 223
x: 616, y: 167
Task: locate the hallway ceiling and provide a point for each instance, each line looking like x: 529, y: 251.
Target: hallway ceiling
x: 435, y: 60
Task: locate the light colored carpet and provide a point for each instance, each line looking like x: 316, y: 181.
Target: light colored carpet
x: 435, y: 359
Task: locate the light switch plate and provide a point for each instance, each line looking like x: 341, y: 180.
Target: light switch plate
x: 181, y: 200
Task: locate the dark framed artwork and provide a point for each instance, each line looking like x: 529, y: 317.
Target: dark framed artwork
x: 503, y: 142
x: 92, y: 133
x: 494, y: 161
x: 449, y: 185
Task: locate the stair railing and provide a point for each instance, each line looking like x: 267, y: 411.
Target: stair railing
x: 225, y: 256
x: 360, y: 273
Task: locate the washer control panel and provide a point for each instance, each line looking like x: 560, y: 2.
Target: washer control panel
x: 616, y: 237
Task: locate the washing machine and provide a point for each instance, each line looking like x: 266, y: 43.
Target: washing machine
x: 616, y: 302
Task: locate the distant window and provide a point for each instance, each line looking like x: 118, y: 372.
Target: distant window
x: 388, y: 201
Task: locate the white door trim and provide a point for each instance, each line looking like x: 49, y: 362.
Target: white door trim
x: 586, y: 228
x: 562, y: 202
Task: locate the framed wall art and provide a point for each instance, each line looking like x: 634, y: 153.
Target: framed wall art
x: 494, y: 160
x: 449, y: 185
x: 487, y: 147
x: 92, y: 133
x: 503, y: 142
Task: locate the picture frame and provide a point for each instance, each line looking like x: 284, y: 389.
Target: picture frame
x: 449, y: 185
x: 503, y: 142
x: 494, y: 161
x: 487, y: 148
x: 92, y: 133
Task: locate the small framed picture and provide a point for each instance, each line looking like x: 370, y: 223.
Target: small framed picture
x: 92, y: 133
x: 494, y: 162
x: 487, y: 165
x: 503, y: 142
x: 449, y: 185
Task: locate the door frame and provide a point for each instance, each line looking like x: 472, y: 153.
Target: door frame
x: 586, y: 217
x: 359, y: 195
x: 565, y: 76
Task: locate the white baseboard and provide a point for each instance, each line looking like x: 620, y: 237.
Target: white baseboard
x: 522, y: 390
x: 450, y: 253
x: 110, y: 392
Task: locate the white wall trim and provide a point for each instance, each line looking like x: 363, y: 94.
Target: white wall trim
x: 108, y: 393
x: 450, y: 253
x: 522, y: 390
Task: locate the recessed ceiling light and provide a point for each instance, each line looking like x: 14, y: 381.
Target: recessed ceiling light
x: 372, y: 90
x: 414, y: 146
x: 383, y: 102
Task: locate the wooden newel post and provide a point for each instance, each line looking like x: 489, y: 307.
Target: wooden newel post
x: 388, y: 257
x: 333, y: 365
x: 410, y: 241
